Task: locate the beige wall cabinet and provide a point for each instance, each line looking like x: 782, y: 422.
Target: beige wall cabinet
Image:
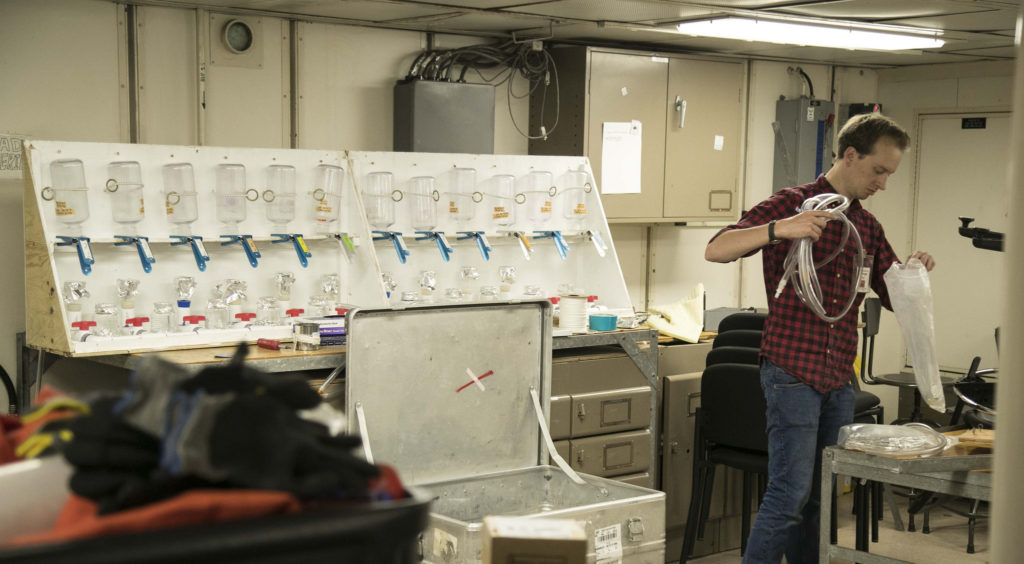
x: 691, y: 114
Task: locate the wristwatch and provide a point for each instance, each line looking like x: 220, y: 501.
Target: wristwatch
x: 772, y: 239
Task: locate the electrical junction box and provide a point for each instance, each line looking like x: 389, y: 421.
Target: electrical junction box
x: 804, y: 129
x: 444, y: 117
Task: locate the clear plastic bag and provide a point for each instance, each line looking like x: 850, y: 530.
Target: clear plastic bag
x: 912, y: 439
x: 910, y: 292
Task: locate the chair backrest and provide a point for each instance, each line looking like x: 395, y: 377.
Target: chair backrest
x: 733, y: 407
x: 870, y: 316
x: 738, y: 338
x: 733, y: 354
x: 742, y: 320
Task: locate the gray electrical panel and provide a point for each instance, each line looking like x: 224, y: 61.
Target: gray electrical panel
x: 804, y: 129
x: 444, y: 117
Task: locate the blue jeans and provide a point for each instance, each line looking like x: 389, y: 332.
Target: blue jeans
x: 801, y: 422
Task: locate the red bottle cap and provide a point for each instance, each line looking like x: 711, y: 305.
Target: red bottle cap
x: 295, y: 312
x: 245, y: 316
x: 83, y: 325
x: 341, y: 310
x: 591, y: 299
x: 136, y: 321
x: 554, y: 300
x: 193, y: 319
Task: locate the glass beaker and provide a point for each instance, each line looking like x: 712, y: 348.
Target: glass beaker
x: 217, y: 314
x: 540, y: 192
x: 69, y: 192
x: 280, y: 195
x: 574, y: 195
x: 180, y: 196
x: 424, y: 196
x: 231, y: 194
x: 268, y: 311
x: 328, y: 181
x: 160, y: 319
x: 380, y: 199
x: 462, y: 194
x: 125, y: 188
x: 107, y: 318
x: 502, y: 197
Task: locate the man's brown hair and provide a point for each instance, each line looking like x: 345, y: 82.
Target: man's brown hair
x: 862, y: 132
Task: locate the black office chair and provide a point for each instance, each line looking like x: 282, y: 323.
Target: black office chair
x: 742, y: 320
x: 870, y: 316
x: 740, y: 355
x: 750, y: 338
x: 730, y: 430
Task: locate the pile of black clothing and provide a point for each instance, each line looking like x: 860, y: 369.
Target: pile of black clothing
x: 229, y: 426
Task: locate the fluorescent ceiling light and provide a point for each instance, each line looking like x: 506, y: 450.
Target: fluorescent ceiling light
x: 838, y: 35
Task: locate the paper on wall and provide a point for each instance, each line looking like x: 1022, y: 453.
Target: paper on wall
x: 620, y: 157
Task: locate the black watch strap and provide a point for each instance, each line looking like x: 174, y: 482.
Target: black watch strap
x: 772, y: 239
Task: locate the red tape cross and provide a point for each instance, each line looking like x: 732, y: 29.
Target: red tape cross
x: 470, y: 383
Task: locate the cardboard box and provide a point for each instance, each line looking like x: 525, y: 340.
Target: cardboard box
x: 519, y: 540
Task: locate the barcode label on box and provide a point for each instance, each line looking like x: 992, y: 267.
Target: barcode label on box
x: 446, y: 545
x: 608, y: 543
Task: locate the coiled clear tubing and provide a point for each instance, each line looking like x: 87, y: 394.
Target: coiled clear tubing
x: 801, y: 269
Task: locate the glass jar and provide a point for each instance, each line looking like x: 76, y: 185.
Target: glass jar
x: 328, y: 181
x: 280, y: 195
x: 160, y: 319
x: 574, y: 195
x: 125, y: 187
x: 107, y: 318
x: 424, y: 197
x: 231, y: 194
x: 268, y: 311
x: 540, y: 194
x: 502, y: 196
x: 180, y: 195
x: 462, y: 195
x: 70, y: 194
x: 379, y: 197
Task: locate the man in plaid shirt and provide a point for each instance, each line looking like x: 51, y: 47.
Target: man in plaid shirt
x: 806, y: 362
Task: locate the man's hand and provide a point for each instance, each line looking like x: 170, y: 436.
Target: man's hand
x: 805, y: 224
x: 925, y: 258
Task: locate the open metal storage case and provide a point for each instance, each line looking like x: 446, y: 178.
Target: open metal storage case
x: 477, y: 449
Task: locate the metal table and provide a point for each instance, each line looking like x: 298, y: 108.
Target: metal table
x: 942, y: 474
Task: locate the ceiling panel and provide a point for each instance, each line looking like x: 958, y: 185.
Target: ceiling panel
x: 873, y: 10
x: 484, y: 22
x: 614, y: 10
x: 486, y: 4
x: 366, y: 10
x: 1008, y: 52
x: 900, y: 59
x: 1002, y: 20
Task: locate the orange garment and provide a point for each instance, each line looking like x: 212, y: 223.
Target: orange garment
x: 8, y: 424
x: 78, y: 519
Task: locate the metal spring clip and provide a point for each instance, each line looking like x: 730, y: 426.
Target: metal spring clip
x: 396, y: 238
x: 141, y: 245
x: 481, y: 242
x: 440, y: 239
x: 251, y: 252
x: 85, y: 258
x: 560, y: 245
x: 198, y: 249
x: 300, y: 245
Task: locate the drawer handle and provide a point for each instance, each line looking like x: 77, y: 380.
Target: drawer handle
x: 581, y: 411
x: 579, y: 458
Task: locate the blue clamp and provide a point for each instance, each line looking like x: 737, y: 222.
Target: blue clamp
x: 198, y: 249
x: 141, y: 245
x: 300, y: 245
x: 560, y: 245
x: 442, y: 242
x: 247, y: 245
x: 85, y: 258
x: 396, y: 238
x: 481, y: 242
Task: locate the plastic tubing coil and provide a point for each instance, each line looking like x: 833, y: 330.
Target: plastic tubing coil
x: 800, y: 268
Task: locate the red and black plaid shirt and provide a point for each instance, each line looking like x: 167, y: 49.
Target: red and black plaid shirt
x: 817, y: 353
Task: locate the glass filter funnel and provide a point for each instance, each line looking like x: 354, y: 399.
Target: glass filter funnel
x: 280, y: 195
x: 180, y: 196
x: 574, y: 197
x: 380, y: 199
x: 540, y: 193
x: 463, y: 194
x: 69, y: 193
x: 502, y: 195
x: 328, y: 181
x: 125, y: 187
x: 231, y: 196
x: 424, y: 197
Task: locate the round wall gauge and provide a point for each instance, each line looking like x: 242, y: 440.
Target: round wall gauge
x: 238, y: 36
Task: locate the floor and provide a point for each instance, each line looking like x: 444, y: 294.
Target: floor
x: 947, y: 541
